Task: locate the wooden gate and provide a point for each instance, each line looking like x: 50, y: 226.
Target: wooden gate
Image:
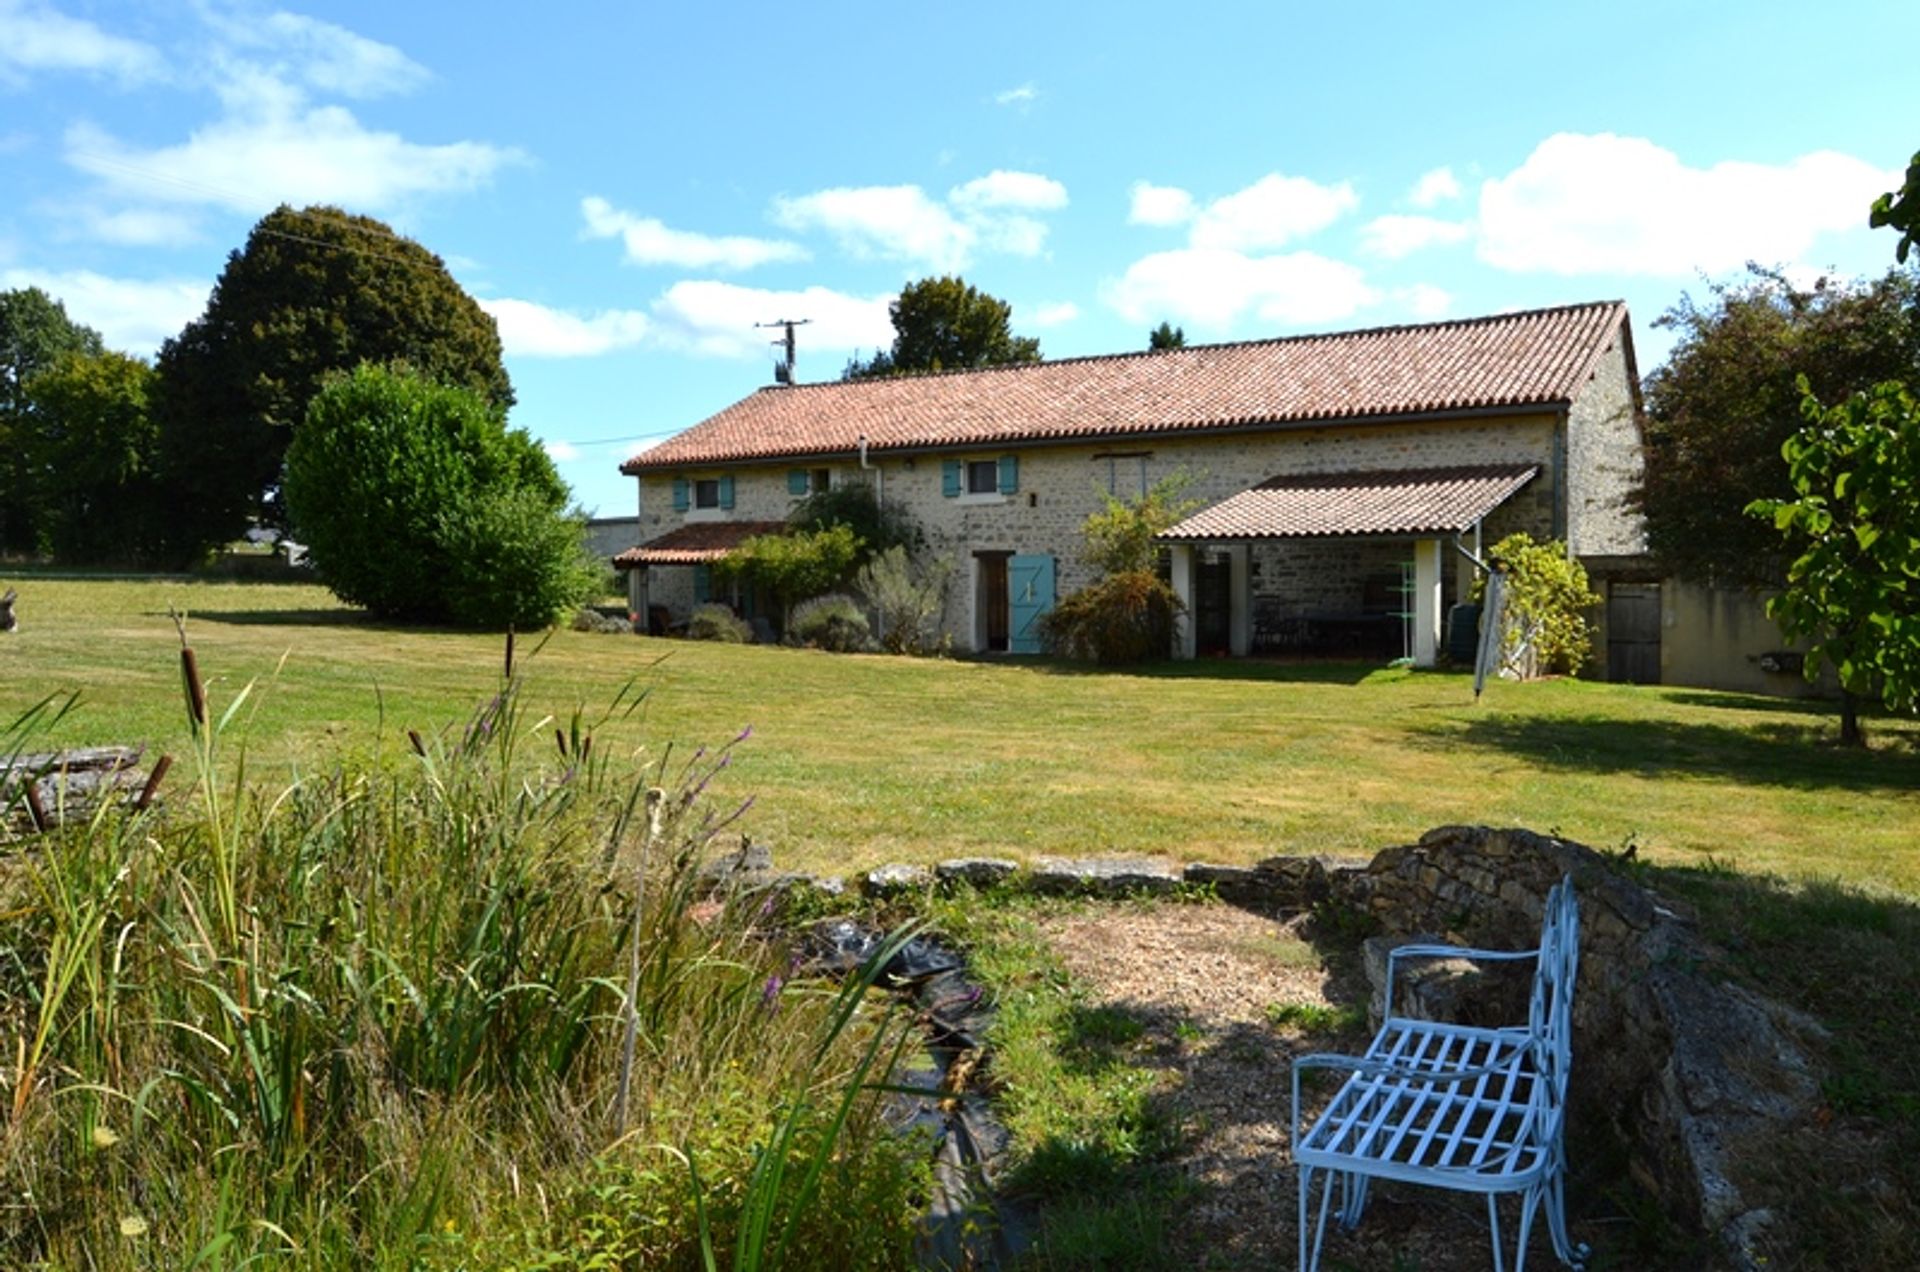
x: 1633, y: 633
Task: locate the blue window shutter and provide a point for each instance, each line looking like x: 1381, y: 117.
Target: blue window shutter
x: 797, y: 482
x: 702, y: 584
x: 1009, y: 474
x: 726, y: 492
x: 680, y: 495
x: 950, y: 478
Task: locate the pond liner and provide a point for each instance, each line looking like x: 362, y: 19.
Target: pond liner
x: 966, y: 1225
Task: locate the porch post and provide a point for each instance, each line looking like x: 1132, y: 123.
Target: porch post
x: 1239, y: 603
x: 1426, y: 602
x: 1183, y: 646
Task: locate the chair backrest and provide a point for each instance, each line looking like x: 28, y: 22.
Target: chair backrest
x: 1550, y: 1010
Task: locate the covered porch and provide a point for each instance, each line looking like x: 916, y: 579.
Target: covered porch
x: 1353, y: 562
x: 668, y: 576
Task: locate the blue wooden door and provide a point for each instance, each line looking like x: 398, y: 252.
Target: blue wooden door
x: 1030, y: 584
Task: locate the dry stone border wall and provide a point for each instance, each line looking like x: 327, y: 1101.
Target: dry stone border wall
x: 1697, y: 1077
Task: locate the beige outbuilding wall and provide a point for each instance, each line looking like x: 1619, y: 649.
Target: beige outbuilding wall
x: 1716, y: 638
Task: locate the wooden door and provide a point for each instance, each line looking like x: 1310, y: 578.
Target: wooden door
x: 993, y: 599
x: 1030, y: 596
x: 1213, y: 606
x: 1633, y: 633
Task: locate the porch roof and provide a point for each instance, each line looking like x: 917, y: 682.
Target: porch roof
x: 1318, y: 505
x: 696, y: 543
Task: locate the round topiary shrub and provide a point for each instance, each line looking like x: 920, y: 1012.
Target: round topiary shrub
x: 834, y: 621
x: 1124, y: 618
x: 417, y: 501
x: 717, y: 622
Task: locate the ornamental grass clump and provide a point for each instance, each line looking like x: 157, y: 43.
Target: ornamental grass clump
x: 463, y: 1005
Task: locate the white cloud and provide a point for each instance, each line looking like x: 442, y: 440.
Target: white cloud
x: 532, y: 330
x: 1215, y: 288
x: 1424, y: 300
x: 1002, y: 189
x: 650, y: 242
x: 129, y: 313
x: 888, y: 222
x: 1271, y: 213
x: 318, y: 155
x: 1055, y: 314
x: 136, y: 227
x: 328, y: 57
x: 1434, y: 187
x: 905, y: 223
x: 715, y: 318
x: 34, y: 37
x: 561, y: 452
x: 1159, y: 205
x: 1601, y: 203
x: 1022, y: 97
x: 1397, y: 236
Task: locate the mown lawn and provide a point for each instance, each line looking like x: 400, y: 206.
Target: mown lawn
x: 859, y: 760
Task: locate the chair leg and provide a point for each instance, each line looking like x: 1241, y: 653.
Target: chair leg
x: 1529, y: 1202
x: 1310, y: 1258
x: 1353, y: 1199
x: 1574, y: 1256
x: 1493, y: 1223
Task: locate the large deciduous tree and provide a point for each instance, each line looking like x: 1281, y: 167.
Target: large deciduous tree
x: 1726, y: 401
x: 313, y: 291
x: 1853, y: 589
x: 418, y: 502
x: 1900, y: 209
x: 35, y: 333
x: 943, y: 324
x: 92, y: 453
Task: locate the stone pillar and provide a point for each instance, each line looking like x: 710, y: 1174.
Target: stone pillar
x: 1240, y: 603
x: 1426, y: 602
x: 1183, y: 633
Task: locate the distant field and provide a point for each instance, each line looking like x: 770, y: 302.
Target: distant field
x: 859, y: 760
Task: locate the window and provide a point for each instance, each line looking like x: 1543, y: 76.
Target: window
x: 706, y: 492
x: 819, y: 481
x: 983, y: 477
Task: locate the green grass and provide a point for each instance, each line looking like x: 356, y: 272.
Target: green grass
x: 857, y: 760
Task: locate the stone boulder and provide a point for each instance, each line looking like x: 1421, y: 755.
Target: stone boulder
x: 1103, y: 876
x: 1697, y: 1076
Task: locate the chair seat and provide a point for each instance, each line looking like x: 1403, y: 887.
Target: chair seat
x: 1476, y: 1134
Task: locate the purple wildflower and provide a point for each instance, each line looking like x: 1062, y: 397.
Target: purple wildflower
x: 744, y: 735
x: 770, y: 995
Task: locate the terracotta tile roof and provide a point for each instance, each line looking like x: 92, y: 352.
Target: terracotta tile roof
x: 1518, y: 360
x: 1410, y: 501
x: 696, y: 543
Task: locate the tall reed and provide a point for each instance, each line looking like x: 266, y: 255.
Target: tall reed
x: 382, y: 1016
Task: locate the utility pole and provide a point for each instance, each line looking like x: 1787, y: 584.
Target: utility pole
x: 783, y: 367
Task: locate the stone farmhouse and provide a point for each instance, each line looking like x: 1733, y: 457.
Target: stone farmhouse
x: 1344, y: 477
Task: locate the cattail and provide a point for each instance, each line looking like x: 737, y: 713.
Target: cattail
x: 160, y: 767
x: 196, y: 692
x: 509, y: 651
x: 560, y: 740
x: 419, y: 747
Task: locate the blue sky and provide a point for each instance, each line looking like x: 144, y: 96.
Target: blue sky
x: 628, y: 188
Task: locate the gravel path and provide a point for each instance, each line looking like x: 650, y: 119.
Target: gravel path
x: 1202, y: 978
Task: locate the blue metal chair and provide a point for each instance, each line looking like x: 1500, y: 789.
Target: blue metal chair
x: 1454, y: 1106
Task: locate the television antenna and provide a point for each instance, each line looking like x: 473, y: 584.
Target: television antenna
x: 783, y: 365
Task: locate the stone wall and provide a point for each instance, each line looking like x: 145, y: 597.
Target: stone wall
x: 1605, y: 458
x: 1060, y: 485
x: 1698, y: 1077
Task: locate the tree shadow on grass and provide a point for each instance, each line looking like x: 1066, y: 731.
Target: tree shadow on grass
x: 1748, y: 702
x: 1801, y: 756
x: 1256, y: 670
x: 290, y: 618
